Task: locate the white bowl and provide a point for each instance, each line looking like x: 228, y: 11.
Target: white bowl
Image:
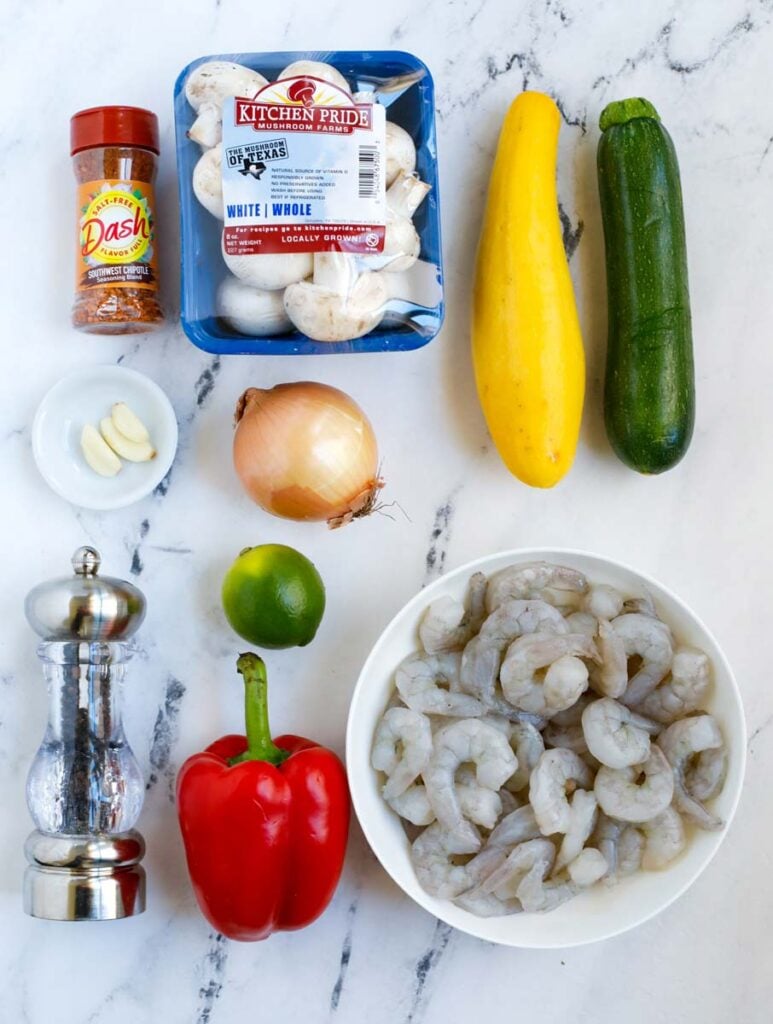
x: 86, y: 396
x: 600, y: 912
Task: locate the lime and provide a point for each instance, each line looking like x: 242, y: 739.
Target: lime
x: 274, y: 597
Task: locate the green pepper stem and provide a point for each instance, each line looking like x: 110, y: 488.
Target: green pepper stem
x: 260, y: 746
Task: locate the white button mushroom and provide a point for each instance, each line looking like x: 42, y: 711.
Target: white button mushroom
x: 402, y: 244
x: 315, y: 69
x: 207, y: 129
x: 400, y: 152
x: 208, y: 181
x: 205, y: 89
x: 252, y: 310
x: 339, y: 304
x: 270, y: 270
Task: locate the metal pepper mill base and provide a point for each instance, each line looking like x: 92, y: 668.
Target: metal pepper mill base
x: 84, y: 878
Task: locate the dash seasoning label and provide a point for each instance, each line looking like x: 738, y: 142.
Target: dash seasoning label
x: 114, y: 152
x: 115, y: 235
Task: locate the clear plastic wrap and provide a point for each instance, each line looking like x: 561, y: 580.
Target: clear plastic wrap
x: 378, y: 291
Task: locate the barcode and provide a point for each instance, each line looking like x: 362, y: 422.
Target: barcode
x: 368, y: 172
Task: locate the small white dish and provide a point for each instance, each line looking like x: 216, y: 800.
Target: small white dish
x: 87, y: 396
x: 601, y: 912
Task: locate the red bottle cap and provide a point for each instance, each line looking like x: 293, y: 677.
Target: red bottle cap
x: 113, y: 126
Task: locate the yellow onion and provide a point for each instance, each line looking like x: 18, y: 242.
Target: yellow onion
x: 306, y: 451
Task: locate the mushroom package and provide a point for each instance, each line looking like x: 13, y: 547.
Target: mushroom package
x: 316, y: 192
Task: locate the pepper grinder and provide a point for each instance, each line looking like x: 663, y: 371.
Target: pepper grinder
x: 84, y: 788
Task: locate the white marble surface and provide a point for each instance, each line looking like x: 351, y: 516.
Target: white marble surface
x: 703, y: 528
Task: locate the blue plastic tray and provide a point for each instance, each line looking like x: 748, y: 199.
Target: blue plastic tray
x: 412, y: 107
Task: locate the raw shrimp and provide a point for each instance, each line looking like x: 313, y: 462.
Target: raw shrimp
x: 516, y: 618
x: 447, y: 625
x: 584, y: 811
x: 615, y: 735
x: 539, y: 896
x: 680, y: 742
x: 529, y: 580
x: 606, y: 837
x: 483, y: 654
x: 582, y: 622
x: 588, y: 867
x: 630, y: 850
x: 528, y: 745
x: 402, y: 748
x: 622, y: 796
x: 418, y: 679
x: 650, y: 639
x: 510, y: 802
x: 570, y: 737
x: 644, y: 605
x: 516, y: 827
x: 482, y: 806
x: 705, y: 778
x: 603, y: 601
x: 572, y: 715
x: 664, y: 839
x: 467, y: 740
x: 611, y: 678
x: 504, y: 881
x: 432, y: 852
x: 565, y: 681
x: 487, y: 904
x: 556, y: 770
x: 683, y: 693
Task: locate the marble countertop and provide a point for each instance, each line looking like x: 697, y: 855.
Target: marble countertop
x: 703, y: 528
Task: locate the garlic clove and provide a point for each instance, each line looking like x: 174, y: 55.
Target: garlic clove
x: 129, y: 424
x: 129, y: 450
x: 99, y: 455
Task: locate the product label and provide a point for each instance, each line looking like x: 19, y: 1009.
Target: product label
x: 303, y: 171
x: 115, y: 235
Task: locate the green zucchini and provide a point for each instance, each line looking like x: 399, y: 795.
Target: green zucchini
x: 649, y: 392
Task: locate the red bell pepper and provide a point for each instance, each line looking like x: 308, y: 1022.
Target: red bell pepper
x: 264, y: 823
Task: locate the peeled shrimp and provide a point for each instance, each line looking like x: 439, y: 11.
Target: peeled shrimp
x: 683, y: 693
x: 555, y: 771
x: 482, y: 806
x: 565, y: 681
x: 401, y: 749
x: 630, y: 850
x: 611, y: 679
x: 467, y: 740
x: 615, y: 735
x: 603, y: 601
x: 528, y: 745
x: 582, y: 622
x: 584, y: 811
x: 606, y: 837
x: 650, y: 639
x: 529, y: 580
x: 432, y: 852
x: 487, y: 904
x: 418, y: 681
x: 483, y: 654
x: 680, y: 742
x: 570, y: 737
x: 664, y: 839
x: 705, y: 778
x: 539, y: 896
x: 447, y: 625
x: 622, y: 796
x: 504, y: 881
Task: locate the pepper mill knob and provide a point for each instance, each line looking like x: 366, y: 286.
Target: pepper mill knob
x: 85, y: 606
x: 86, y: 561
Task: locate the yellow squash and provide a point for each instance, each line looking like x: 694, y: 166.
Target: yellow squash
x: 526, y: 343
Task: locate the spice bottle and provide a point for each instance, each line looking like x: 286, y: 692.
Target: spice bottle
x: 114, y: 152
x: 85, y: 788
